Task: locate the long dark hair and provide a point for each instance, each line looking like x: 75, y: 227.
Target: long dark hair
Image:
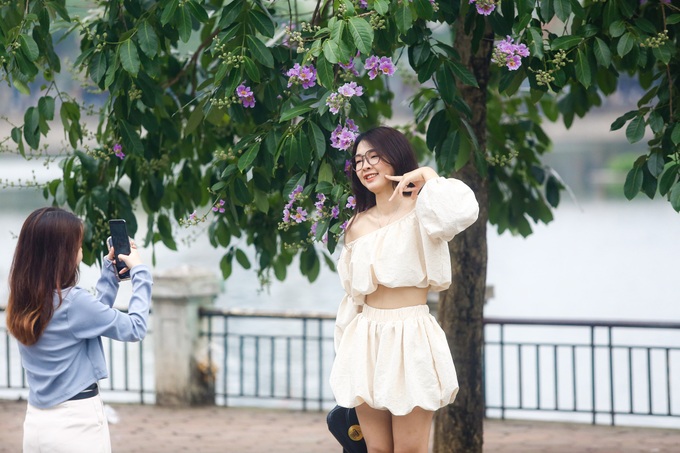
x: 45, y: 260
x: 393, y: 148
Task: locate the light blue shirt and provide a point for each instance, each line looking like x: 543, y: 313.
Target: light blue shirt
x: 69, y: 355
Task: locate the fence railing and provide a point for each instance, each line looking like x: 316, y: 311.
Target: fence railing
x: 605, y: 371
x: 597, y: 371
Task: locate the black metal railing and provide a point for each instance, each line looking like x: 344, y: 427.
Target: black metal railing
x: 596, y: 371
x: 284, y: 357
x: 602, y: 370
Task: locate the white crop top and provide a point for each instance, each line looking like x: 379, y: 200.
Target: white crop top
x: 412, y: 251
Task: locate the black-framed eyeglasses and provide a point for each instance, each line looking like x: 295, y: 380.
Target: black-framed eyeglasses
x: 358, y: 162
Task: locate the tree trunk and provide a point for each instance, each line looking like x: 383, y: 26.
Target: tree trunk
x: 459, y: 427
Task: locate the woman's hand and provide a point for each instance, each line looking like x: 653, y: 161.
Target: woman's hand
x: 412, y: 182
x: 131, y: 260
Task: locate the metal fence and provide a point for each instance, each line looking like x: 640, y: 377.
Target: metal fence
x: 588, y: 371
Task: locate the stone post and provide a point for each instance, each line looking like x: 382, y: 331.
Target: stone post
x: 183, y: 374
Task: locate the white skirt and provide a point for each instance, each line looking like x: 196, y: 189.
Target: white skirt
x: 78, y: 426
x: 394, y: 360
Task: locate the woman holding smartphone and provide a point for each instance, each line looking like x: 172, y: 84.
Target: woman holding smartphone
x: 59, y: 327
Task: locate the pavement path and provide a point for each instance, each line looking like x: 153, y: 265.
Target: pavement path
x: 246, y: 430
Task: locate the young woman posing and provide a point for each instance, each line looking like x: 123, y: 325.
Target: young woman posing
x: 59, y: 326
x: 393, y: 363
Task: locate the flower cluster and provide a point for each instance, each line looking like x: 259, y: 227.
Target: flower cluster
x: 508, y: 54
x: 379, y: 65
x: 295, y: 214
x: 245, y: 95
x: 305, y: 75
x: 349, y: 66
x: 218, y: 207
x: 118, y: 151
x: 339, y: 100
x: 485, y: 7
x: 343, y: 137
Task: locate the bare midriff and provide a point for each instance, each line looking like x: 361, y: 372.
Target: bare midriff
x: 386, y: 298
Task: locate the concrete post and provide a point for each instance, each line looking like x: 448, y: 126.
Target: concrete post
x: 183, y: 374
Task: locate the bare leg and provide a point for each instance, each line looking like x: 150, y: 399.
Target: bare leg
x: 411, y: 432
x: 376, y: 425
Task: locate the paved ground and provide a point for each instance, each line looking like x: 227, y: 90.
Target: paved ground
x: 239, y: 430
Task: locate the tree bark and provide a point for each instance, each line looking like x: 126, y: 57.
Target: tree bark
x: 459, y: 427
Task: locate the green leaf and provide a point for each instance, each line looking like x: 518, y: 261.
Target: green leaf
x: 184, y: 22
x: 317, y: 139
x: 169, y: 11
x: 668, y: 178
x: 225, y: 266
x: 655, y: 164
x: 262, y: 23
x: 565, y: 42
x: 673, y: 19
x: 462, y: 73
x: 131, y: 141
x: 625, y: 44
x: 381, y: 6
x: 29, y: 46
x: 675, y: 135
x: 195, y: 119
x: 403, y: 17
x: 562, y: 9
x: 324, y: 72
x: 602, y: 53
x: 675, y: 197
x: 198, y: 11
x: 297, y: 110
x: 148, y: 40
x: 230, y: 13
x: 582, y: 68
x: 32, y: 127
x: 620, y: 121
x: 617, y: 28
x: 633, y: 182
x: 98, y: 67
x: 242, y: 259
x: 46, y: 108
x: 536, y: 43
x: 336, y: 52
x: 241, y: 192
x: 129, y: 57
x: 260, y: 52
x: 165, y: 231
x: 636, y: 129
x: 246, y: 160
x: 251, y: 69
x: 362, y: 34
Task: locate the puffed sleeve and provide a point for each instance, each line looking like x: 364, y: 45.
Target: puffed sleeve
x: 445, y: 207
x: 347, y: 311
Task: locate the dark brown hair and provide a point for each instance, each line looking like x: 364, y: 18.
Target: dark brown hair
x: 393, y: 148
x: 45, y: 260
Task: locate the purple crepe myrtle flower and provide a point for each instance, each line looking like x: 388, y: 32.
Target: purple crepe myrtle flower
x: 349, y: 66
x: 219, y: 207
x: 507, y: 53
x: 335, y: 102
x: 335, y: 211
x: 485, y: 7
x: 286, y: 215
x: 386, y: 66
x: 300, y: 215
x: 343, y: 137
x: 305, y: 75
x: 348, y: 168
x: 351, y: 89
x: 313, y: 228
x: 343, y: 227
x: 245, y: 95
x: 321, y: 199
x: 363, y: 4
x: 351, y: 202
x: 339, y: 100
x: 192, y: 216
x: 118, y: 151
x: 371, y: 65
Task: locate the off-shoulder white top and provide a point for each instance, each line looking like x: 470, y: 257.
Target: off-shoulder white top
x: 412, y: 251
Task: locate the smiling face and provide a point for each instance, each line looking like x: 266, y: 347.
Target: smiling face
x: 371, y: 168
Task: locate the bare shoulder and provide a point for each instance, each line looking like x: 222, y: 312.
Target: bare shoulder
x: 359, y: 225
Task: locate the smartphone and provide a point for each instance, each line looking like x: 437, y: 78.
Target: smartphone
x: 120, y: 241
